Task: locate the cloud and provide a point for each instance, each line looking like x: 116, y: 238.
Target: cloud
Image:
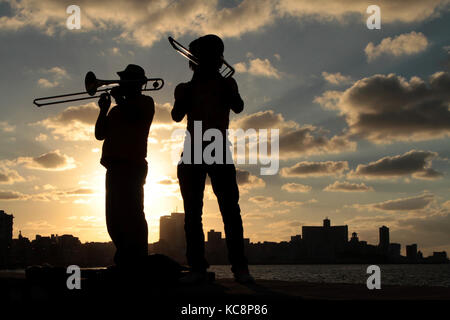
x: 412, y: 163
x: 391, y: 11
x: 388, y: 108
x: 296, y: 187
x: 245, y: 180
x: 315, y: 169
x: 56, y: 75
x: 38, y: 225
x: 163, y: 115
x: 263, y: 119
x: 51, y: 161
x: 45, y: 83
x: 12, y: 195
x: 429, y: 227
x: 51, y: 193
x: 73, y: 123
x: 248, y: 181
x: 41, y: 137
x: 8, y: 176
x: 336, y: 78
x: 258, y: 67
x: 294, y: 140
x: 262, y: 201
x: 6, y: 127
x: 346, y: 186
x: 437, y: 222
x: 402, y: 204
x: 167, y: 181
x: 402, y: 45
x: 80, y: 192
x: 269, y: 202
x: 132, y: 20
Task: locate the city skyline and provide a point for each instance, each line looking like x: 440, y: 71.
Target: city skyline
x: 173, y: 234
x: 363, y: 113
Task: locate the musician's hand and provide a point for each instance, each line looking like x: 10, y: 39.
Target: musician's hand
x: 117, y: 94
x: 104, y: 102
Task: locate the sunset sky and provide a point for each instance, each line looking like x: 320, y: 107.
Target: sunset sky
x: 364, y: 115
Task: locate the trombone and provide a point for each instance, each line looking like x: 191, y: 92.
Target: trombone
x: 226, y: 71
x: 92, y: 84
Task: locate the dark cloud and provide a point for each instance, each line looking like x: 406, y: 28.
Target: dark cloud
x: 53, y: 160
x: 263, y: 119
x: 50, y: 160
x: 73, y: 123
x: 86, y: 114
x: 402, y: 204
x: 11, y: 195
x: 308, y: 141
x: 415, y: 163
x: 388, y: 108
x: 80, y: 191
x: 412, y: 203
x: 346, y: 186
x: 295, y: 187
x: 245, y: 180
x: 315, y: 169
x: 294, y: 140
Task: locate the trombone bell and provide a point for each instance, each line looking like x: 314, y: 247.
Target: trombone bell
x: 90, y: 83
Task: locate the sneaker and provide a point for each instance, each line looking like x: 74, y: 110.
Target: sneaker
x: 194, y: 277
x: 244, y: 277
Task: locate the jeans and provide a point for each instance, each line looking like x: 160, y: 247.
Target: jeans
x: 192, y: 185
x: 125, y: 218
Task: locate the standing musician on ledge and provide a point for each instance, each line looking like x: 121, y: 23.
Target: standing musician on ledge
x: 208, y: 98
x: 125, y: 132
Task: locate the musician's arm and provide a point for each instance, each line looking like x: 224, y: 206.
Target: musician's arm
x: 235, y: 101
x: 150, y: 107
x: 182, y: 102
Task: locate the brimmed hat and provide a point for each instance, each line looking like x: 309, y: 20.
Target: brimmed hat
x: 134, y: 72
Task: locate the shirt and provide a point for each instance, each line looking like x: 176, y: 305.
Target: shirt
x: 127, y: 128
x: 209, y: 99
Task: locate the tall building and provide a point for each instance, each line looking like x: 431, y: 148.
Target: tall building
x: 215, y: 249
x: 411, y: 252
x: 171, y: 230
x: 325, y: 242
x: 214, y: 237
x: 384, y: 240
x: 395, y: 249
x: 6, y: 228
